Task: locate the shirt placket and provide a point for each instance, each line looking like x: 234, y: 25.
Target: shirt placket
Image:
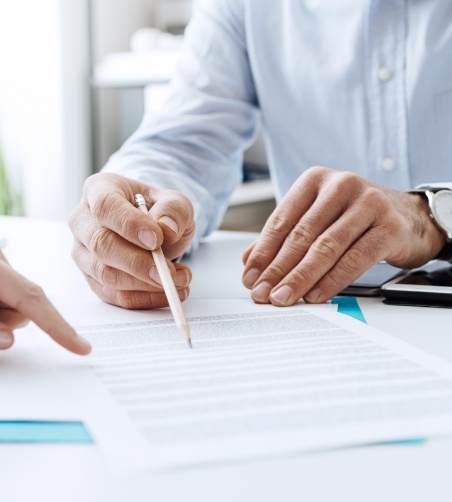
x: 387, y: 108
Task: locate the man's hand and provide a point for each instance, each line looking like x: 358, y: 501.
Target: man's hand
x: 330, y: 228
x: 21, y: 301
x: 113, y: 240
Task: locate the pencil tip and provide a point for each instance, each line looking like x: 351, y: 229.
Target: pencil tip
x: 185, y: 331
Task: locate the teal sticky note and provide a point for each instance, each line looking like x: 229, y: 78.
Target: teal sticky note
x: 406, y: 442
x: 348, y: 305
x: 41, y: 431
x: 401, y: 442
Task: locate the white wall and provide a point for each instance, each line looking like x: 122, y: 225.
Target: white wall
x: 44, y: 101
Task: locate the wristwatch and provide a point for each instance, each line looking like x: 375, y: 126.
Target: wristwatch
x: 439, y: 197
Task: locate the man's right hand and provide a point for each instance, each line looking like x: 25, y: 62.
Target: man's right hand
x: 113, y: 240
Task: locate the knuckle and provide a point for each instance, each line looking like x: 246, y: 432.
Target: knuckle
x: 104, y: 293
x: 125, y: 299
x: 259, y: 258
x: 336, y: 279
x: 120, y: 298
x: 101, y: 205
x: 318, y: 172
x: 32, y: 293
x: 90, y: 180
x: 302, y: 235
x: 133, y: 300
x: 106, y: 275
x: 76, y: 251
x: 299, y: 277
x: 326, y: 246
x: 347, y: 178
x: 73, y: 217
x: 375, y: 197
x: 78, y: 217
x: 351, y: 266
x: 347, y: 183
x: 353, y: 260
x: 180, y: 202
x: 100, y: 241
x: 278, y: 224
x: 275, y: 272
x: 135, y: 265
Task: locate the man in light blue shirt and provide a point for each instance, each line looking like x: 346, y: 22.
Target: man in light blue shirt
x: 363, y: 87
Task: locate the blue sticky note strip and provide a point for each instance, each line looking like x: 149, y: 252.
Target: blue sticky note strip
x: 407, y: 442
x: 37, y: 431
x: 348, y: 305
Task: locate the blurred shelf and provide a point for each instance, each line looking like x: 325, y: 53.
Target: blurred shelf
x: 124, y: 70
x: 251, y: 205
x: 252, y: 192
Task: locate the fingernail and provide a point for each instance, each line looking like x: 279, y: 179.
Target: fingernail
x: 282, y: 295
x: 84, y: 342
x: 182, y: 279
x: 313, y: 295
x: 251, y: 277
x: 154, y: 275
x: 6, y: 340
x: 170, y: 223
x: 261, y: 292
x: 147, y: 238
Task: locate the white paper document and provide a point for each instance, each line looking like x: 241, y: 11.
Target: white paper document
x: 259, y: 381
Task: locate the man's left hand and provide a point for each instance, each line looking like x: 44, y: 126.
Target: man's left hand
x: 329, y: 229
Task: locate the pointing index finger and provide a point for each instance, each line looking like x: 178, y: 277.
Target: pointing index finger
x: 29, y: 299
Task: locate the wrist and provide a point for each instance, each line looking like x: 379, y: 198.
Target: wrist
x: 436, y: 238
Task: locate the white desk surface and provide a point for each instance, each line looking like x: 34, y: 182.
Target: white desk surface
x: 41, y: 251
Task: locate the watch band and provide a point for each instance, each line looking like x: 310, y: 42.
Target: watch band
x: 445, y: 253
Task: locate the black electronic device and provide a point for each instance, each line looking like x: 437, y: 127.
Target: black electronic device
x: 430, y: 285
x: 370, y: 282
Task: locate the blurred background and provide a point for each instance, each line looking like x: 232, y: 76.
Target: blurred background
x: 75, y: 79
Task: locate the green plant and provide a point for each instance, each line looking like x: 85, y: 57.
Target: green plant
x: 11, y: 200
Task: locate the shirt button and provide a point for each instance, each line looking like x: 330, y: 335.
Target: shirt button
x: 384, y: 74
x: 388, y: 164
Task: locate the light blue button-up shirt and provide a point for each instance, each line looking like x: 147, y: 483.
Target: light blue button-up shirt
x: 356, y: 85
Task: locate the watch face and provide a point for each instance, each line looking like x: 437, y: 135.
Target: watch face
x: 442, y: 209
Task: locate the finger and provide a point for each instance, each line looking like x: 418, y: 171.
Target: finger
x: 118, y: 279
x: 174, y: 213
x: 279, y: 225
x: 116, y: 253
x: 247, y: 252
x: 336, y: 245
x: 133, y: 300
x: 29, y: 300
x: 303, y: 237
x: 360, y: 257
x: 6, y: 336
